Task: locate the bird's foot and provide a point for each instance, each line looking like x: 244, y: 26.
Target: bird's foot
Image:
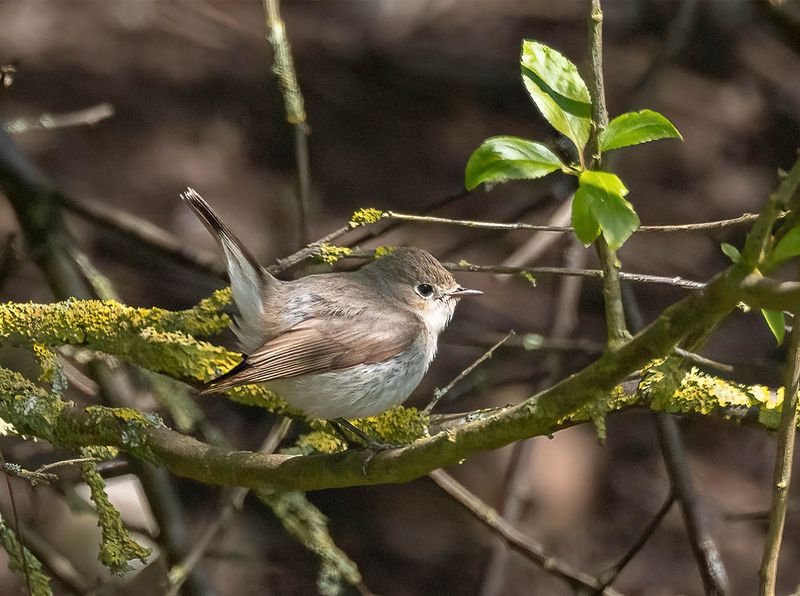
x: 363, y: 440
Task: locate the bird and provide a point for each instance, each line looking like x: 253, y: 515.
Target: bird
x: 335, y: 346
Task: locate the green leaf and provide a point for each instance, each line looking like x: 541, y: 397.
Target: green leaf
x: 731, y: 252
x: 605, y: 197
x: 787, y: 247
x: 500, y: 159
x: 776, y: 321
x: 583, y: 222
x: 557, y: 90
x: 634, y: 128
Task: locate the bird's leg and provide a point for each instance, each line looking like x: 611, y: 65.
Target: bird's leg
x: 340, y: 424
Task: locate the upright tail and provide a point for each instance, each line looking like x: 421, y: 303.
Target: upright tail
x: 248, y: 278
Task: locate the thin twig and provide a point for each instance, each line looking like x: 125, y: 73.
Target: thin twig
x: 86, y: 117
x: 17, y: 529
x: 144, y: 233
x: 783, y: 467
x: 283, y: 67
x: 438, y: 394
x: 676, y: 281
x: 233, y: 502
x: 489, y: 225
x: 703, y: 361
x: 610, y: 575
x: 709, y: 561
x: 524, y: 545
x: 681, y: 486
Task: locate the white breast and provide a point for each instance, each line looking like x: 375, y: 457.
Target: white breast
x: 359, y: 391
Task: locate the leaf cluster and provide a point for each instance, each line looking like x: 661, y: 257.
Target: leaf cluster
x: 560, y: 94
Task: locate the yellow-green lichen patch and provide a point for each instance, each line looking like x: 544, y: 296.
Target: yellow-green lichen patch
x: 117, y: 547
x: 329, y: 253
x: 384, y: 251
x: 529, y: 277
x: 48, y: 362
x: 318, y: 441
x: 151, y: 338
x: 365, y: 217
x: 398, y: 426
x: 256, y: 395
x: 29, y: 408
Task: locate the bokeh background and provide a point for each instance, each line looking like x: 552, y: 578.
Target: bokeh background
x: 398, y: 93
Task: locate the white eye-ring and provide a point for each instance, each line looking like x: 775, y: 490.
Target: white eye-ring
x: 424, y: 290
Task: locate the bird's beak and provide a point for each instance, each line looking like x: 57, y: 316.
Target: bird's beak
x: 460, y: 292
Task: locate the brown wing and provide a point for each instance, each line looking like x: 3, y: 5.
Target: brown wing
x: 321, y: 345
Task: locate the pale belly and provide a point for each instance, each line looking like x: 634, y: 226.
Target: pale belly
x: 358, y: 391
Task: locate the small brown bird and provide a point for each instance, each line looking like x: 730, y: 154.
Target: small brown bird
x: 335, y: 345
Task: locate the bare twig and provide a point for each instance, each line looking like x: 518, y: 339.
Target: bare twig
x: 489, y: 225
x: 144, y: 233
x: 233, y: 502
x: 703, y: 361
x: 598, y: 273
x: 783, y: 467
x: 676, y: 281
x: 440, y: 393
x: 524, y: 545
x: 539, y: 243
x: 86, y: 117
x: 709, y: 561
x: 682, y: 488
x: 610, y: 575
x: 283, y: 67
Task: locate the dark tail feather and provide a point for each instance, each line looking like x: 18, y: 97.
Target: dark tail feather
x: 248, y: 279
x: 217, y: 228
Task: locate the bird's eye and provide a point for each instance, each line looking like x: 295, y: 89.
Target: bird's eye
x: 424, y: 290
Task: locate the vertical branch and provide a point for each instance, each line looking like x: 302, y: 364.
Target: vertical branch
x: 295, y: 111
x: 612, y: 295
x: 712, y: 570
x: 709, y: 562
x: 783, y: 467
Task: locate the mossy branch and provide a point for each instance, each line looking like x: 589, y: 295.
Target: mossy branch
x: 131, y: 334
x: 156, y: 339
x: 117, y: 547
x: 33, y: 411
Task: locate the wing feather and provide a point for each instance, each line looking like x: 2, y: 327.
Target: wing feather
x: 319, y: 345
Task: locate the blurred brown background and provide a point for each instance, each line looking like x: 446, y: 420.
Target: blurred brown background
x: 398, y: 93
